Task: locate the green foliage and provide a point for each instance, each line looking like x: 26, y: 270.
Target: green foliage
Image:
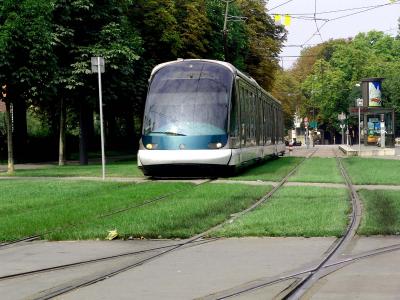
x: 264, y: 42
x: 26, y: 49
x: 325, y: 76
x: 46, y: 46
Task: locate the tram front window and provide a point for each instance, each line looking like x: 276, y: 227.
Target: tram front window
x: 189, y: 98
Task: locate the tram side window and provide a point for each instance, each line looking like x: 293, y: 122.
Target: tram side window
x: 269, y: 119
x: 248, y: 117
x: 234, y: 119
x: 273, y: 124
x: 243, y: 117
x: 260, y: 130
x: 266, y: 123
x: 252, y: 119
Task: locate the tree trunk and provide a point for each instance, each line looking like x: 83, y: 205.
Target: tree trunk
x: 20, y: 131
x: 62, y: 140
x: 10, y: 168
x: 83, y: 134
x: 130, y: 130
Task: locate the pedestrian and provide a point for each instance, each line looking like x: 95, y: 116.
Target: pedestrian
x: 352, y: 135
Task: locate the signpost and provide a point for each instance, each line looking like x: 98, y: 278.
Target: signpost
x: 383, y: 131
x: 306, y: 138
x: 359, y: 104
x: 98, y: 66
x: 341, y: 118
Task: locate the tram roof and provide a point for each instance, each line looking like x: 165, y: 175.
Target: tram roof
x: 229, y: 66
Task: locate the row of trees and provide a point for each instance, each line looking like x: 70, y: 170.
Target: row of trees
x: 322, y: 83
x: 46, y: 46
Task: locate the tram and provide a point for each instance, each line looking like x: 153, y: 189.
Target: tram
x: 206, y: 117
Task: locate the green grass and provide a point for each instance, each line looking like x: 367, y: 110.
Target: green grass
x: 114, y: 169
x: 324, y: 170
x: 181, y: 216
x: 373, y: 170
x: 271, y: 170
x: 295, y: 211
x: 31, y: 207
x: 381, y: 212
x: 36, y: 206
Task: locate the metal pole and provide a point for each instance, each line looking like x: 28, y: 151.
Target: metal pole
x: 103, y: 160
x: 359, y: 130
x: 342, y: 126
x: 225, y: 31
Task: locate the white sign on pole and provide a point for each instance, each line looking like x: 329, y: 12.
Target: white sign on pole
x: 95, y: 62
x: 360, y: 102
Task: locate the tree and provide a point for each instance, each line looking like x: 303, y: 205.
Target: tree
x: 85, y: 29
x: 193, y: 29
x: 26, y: 61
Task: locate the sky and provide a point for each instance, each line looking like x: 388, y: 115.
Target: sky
x: 302, y: 30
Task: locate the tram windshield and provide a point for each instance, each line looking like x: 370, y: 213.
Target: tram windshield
x: 188, y: 98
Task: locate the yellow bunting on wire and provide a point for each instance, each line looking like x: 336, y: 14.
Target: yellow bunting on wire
x: 284, y: 20
x: 278, y: 19
x: 287, y: 20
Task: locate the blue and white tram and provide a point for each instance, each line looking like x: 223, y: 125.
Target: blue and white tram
x: 205, y: 115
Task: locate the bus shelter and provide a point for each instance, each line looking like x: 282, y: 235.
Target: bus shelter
x: 375, y: 118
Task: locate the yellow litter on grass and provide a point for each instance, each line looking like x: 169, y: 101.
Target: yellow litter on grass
x: 112, y: 234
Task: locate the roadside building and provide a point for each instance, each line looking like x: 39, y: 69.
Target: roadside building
x: 376, y: 120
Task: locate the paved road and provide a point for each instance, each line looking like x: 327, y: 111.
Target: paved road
x: 213, y: 268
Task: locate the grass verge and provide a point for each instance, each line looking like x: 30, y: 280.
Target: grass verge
x: 39, y: 207
x: 295, y: 211
x: 36, y: 206
x: 373, y: 171
x: 271, y: 170
x: 181, y: 216
x: 381, y: 212
x: 114, y: 169
x: 318, y: 170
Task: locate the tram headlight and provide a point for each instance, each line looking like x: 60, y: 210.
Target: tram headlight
x: 151, y: 146
x: 215, y: 145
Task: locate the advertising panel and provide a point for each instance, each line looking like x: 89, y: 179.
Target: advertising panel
x: 375, y: 94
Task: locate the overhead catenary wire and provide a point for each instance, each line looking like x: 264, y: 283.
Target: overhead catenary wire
x: 349, y: 15
x: 315, y: 20
x: 282, y: 4
x: 314, y: 16
x: 336, y: 11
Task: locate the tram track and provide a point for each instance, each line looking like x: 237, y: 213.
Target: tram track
x: 195, y: 240
x: 298, y: 290
x: 306, y: 278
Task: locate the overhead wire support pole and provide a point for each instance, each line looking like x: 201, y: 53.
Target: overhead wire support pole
x: 225, y: 30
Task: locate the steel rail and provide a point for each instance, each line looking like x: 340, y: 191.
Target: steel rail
x: 264, y: 282
x: 332, y: 262
x: 65, y: 288
x: 90, y: 261
x: 303, y: 286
